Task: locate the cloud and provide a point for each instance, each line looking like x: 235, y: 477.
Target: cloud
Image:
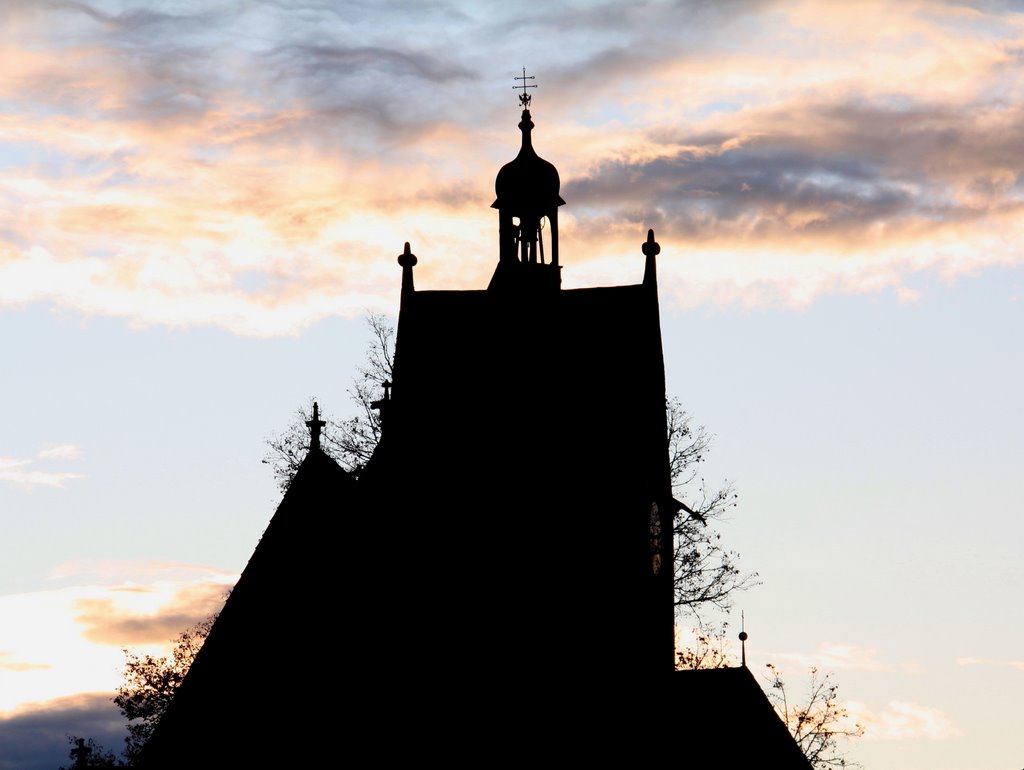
x: 17, y: 472
x: 901, y: 720
x: 15, y: 665
x: 832, y: 657
x: 60, y: 452
x: 35, y: 737
x: 257, y: 166
x: 69, y: 639
x: 820, y: 172
x: 141, y: 572
x: 968, y: 661
x: 107, y: 621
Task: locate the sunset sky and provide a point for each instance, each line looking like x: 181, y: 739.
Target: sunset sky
x: 201, y: 201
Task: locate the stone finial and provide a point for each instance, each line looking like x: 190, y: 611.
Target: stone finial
x: 651, y: 249
x: 315, y: 426
x: 407, y: 260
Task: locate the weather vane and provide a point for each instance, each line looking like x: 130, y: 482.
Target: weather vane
x: 524, y: 97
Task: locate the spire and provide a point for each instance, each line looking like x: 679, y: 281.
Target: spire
x: 743, y: 640
x: 315, y: 426
x: 407, y: 260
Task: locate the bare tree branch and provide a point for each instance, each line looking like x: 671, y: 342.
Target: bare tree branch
x: 819, y: 722
x: 349, y: 441
x: 709, y: 650
x: 706, y: 573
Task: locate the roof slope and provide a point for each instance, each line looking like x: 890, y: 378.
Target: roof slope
x: 266, y: 651
x: 731, y: 718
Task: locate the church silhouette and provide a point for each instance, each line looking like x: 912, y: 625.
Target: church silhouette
x: 505, y: 557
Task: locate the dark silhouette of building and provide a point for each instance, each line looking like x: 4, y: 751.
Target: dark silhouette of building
x: 506, y: 552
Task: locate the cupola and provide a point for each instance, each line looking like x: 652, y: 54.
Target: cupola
x: 527, y: 200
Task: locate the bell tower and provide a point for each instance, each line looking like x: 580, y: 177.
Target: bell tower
x: 527, y: 202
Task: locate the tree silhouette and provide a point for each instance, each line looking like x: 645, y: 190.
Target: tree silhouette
x: 350, y: 442
x: 150, y: 683
x: 86, y: 754
x: 819, y: 722
x: 706, y: 573
x: 709, y: 650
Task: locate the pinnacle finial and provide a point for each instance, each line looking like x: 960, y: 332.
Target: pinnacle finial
x: 651, y: 248
x: 525, y: 98
x: 407, y: 260
x: 315, y: 426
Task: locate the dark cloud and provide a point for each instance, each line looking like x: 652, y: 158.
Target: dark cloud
x: 340, y: 62
x: 642, y: 19
x: 359, y: 96
x: 106, y: 623
x: 37, y: 739
x: 335, y: 65
x: 617, y: 45
x: 825, y: 169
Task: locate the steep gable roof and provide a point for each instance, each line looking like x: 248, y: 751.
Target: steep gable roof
x: 730, y: 717
x: 254, y: 667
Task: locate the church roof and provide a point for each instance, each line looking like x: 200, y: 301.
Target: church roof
x: 731, y: 718
x: 238, y: 697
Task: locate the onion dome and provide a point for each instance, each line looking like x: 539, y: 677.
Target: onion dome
x: 529, y: 184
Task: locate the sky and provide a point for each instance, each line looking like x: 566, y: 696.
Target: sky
x: 201, y: 201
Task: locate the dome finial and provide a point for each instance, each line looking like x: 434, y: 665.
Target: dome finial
x: 524, y: 97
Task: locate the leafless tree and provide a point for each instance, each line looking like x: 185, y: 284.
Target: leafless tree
x: 709, y: 650
x: 349, y: 441
x: 706, y: 572
x: 819, y: 722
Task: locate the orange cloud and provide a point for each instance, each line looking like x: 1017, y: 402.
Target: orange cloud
x: 831, y: 656
x: 106, y: 622
x: 15, y: 665
x: 899, y: 720
x: 262, y: 190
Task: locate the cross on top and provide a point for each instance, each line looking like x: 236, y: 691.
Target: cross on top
x: 524, y: 97
x: 81, y: 753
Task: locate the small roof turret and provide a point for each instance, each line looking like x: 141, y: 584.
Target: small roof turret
x: 527, y: 202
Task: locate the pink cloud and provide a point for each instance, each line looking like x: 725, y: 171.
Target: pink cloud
x: 899, y: 720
